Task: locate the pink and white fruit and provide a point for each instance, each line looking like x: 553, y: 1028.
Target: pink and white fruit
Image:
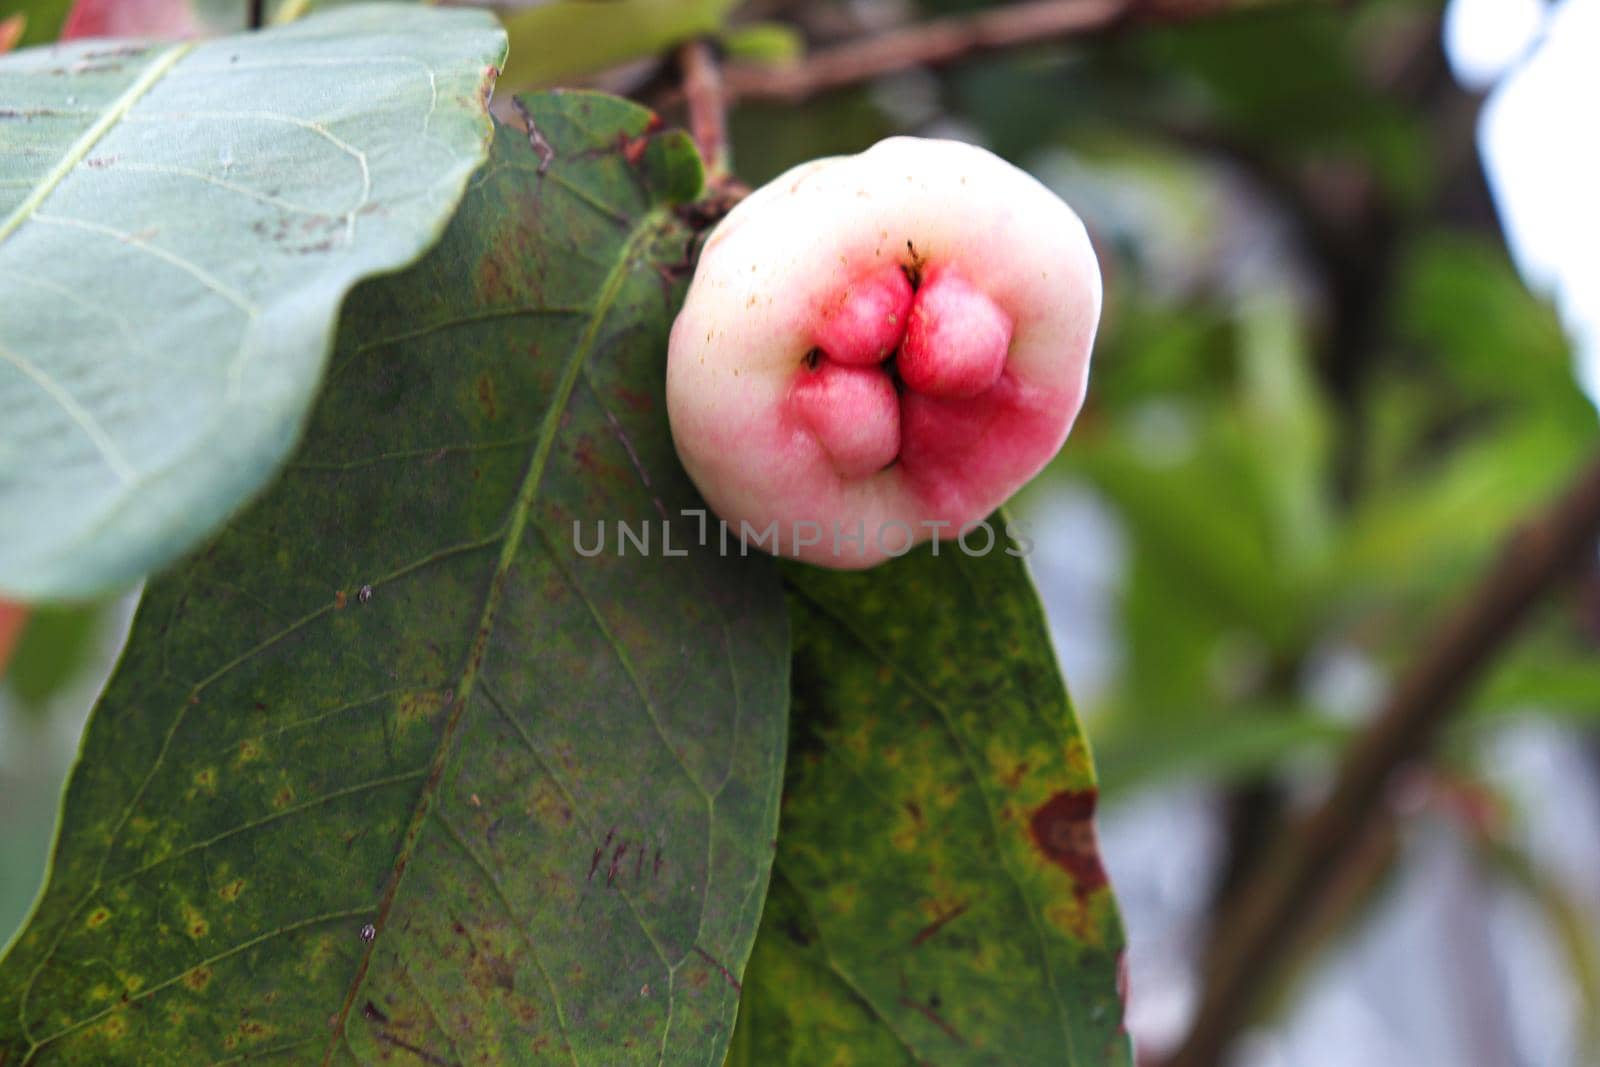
x: 887, y: 344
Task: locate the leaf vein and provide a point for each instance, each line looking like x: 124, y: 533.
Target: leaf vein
x: 84, y: 144
x: 194, y: 270
x: 79, y: 414
x: 265, y: 820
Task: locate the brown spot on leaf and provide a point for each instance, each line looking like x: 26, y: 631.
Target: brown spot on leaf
x: 939, y: 923
x: 486, y: 396
x: 1013, y: 778
x: 1063, y: 831
x: 930, y: 1013
x: 252, y: 1030
x: 914, y: 810
x: 499, y: 971
x: 634, y: 399
x: 198, y: 978
x: 486, y: 85
x: 727, y: 975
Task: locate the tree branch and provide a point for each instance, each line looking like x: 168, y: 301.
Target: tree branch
x: 707, y: 103
x: 1261, y: 922
x: 935, y: 43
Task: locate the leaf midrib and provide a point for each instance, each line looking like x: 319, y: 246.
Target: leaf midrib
x: 521, y: 507
x: 93, y: 135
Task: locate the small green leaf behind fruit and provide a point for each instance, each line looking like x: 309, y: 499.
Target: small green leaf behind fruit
x: 555, y: 42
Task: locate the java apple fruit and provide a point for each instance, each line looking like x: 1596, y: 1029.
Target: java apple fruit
x: 881, y: 348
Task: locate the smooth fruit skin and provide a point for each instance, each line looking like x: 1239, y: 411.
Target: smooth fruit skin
x: 893, y: 341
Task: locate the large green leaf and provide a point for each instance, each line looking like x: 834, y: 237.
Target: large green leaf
x: 178, y: 226
x: 392, y: 692
x: 937, y: 895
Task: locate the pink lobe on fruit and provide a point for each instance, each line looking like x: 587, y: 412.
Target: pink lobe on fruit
x: 956, y: 341
x: 960, y: 456
x: 862, y: 325
x: 854, y: 413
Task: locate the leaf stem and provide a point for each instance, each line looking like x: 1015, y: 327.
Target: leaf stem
x: 704, y: 94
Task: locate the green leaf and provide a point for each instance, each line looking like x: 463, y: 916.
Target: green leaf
x: 1209, y: 743
x: 1279, y: 403
x: 1428, y: 531
x: 44, y: 19
x: 393, y: 693
x: 1461, y: 302
x: 178, y: 226
x: 764, y: 42
x: 938, y: 895
x: 1552, y: 672
x: 55, y: 645
x: 559, y: 40
x: 1204, y: 516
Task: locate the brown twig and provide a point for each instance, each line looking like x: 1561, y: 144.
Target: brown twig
x: 929, y: 44
x: 1261, y: 921
x: 707, y: 103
